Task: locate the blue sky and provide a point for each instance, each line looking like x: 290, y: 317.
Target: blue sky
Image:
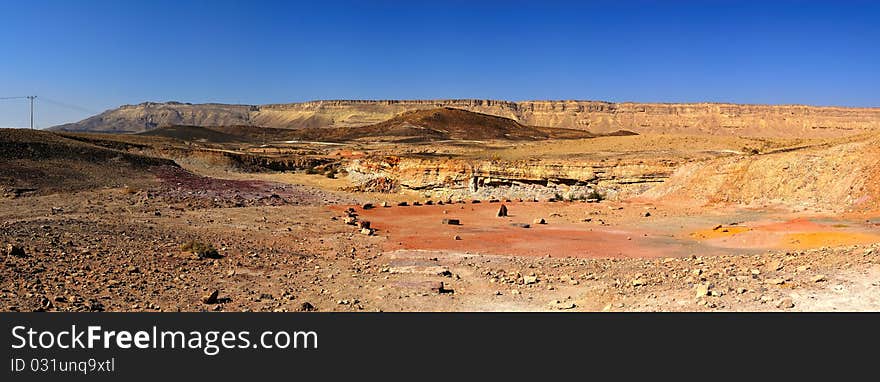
x: 88, y: 56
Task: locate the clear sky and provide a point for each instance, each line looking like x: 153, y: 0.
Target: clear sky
x: 82, y: 57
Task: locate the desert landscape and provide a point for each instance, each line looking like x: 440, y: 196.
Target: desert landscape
x: 444, y: 205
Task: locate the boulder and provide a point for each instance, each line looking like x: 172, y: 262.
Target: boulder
x: 14, y: 250
x: 211, y: 298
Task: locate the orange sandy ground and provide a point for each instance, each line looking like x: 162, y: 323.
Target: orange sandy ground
x: 420, y: 228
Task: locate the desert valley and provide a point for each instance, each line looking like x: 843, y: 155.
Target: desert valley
x: 444, y: 205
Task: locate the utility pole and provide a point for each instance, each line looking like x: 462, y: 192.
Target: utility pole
x: 32, y: 98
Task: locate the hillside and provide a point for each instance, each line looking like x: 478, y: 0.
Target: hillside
x: 838, y: 175
x: 593, y: 116
x: 222, y: 134
x: 192, y: 133
x: 440, y: 124
x: 150, y: 115
x: 45, y: 162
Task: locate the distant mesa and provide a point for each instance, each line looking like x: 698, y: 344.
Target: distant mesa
x: 596, y: 117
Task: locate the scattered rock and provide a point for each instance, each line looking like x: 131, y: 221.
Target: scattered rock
x: 502, y: 212
x: 367, y: 231
x: 785, y: 303
x: 211, y: 298
x: 818, y: 278
x: 520, y: 225
x: 441, y: 288
x: 456, y: 237
x: 639, y: 282
x: 702, y: 290
x: 527, y: 280
x: 539, y: 221
x: 384, y: 204
x: 451, y: 221
x: 367, y: 206
x: 363, y: 224
x: 14, y: 250
x: 307, y: 307
x: 402, y: 204
x: 559, y: 305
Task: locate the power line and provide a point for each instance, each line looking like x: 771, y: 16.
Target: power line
x: 69, y: 106
x: 51, y: 101
x: 30, y: 98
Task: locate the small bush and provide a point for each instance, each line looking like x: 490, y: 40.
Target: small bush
x: 751, y: 150
x: 204, y: 251
x: 595, y: 195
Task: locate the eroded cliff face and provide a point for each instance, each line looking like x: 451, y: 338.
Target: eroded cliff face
x: 595, y: 116
x: 460, y: 178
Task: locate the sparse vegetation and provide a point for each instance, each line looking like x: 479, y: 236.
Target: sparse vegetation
x: 595, y: 195
x: 202, y: 250
x: 751, y: 150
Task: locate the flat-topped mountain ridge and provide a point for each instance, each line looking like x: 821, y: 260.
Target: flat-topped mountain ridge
x: 594, y: 116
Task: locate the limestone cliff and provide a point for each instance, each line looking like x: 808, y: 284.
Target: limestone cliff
x: 514, y: 179
x: 595, y: 116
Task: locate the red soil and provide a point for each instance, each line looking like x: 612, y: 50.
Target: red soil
x: 420, y: 227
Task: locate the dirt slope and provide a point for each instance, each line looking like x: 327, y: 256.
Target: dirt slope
x: 837, y: 176
x: 44, y: 162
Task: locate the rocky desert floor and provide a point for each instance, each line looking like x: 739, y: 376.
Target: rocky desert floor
x: 288, y: 241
